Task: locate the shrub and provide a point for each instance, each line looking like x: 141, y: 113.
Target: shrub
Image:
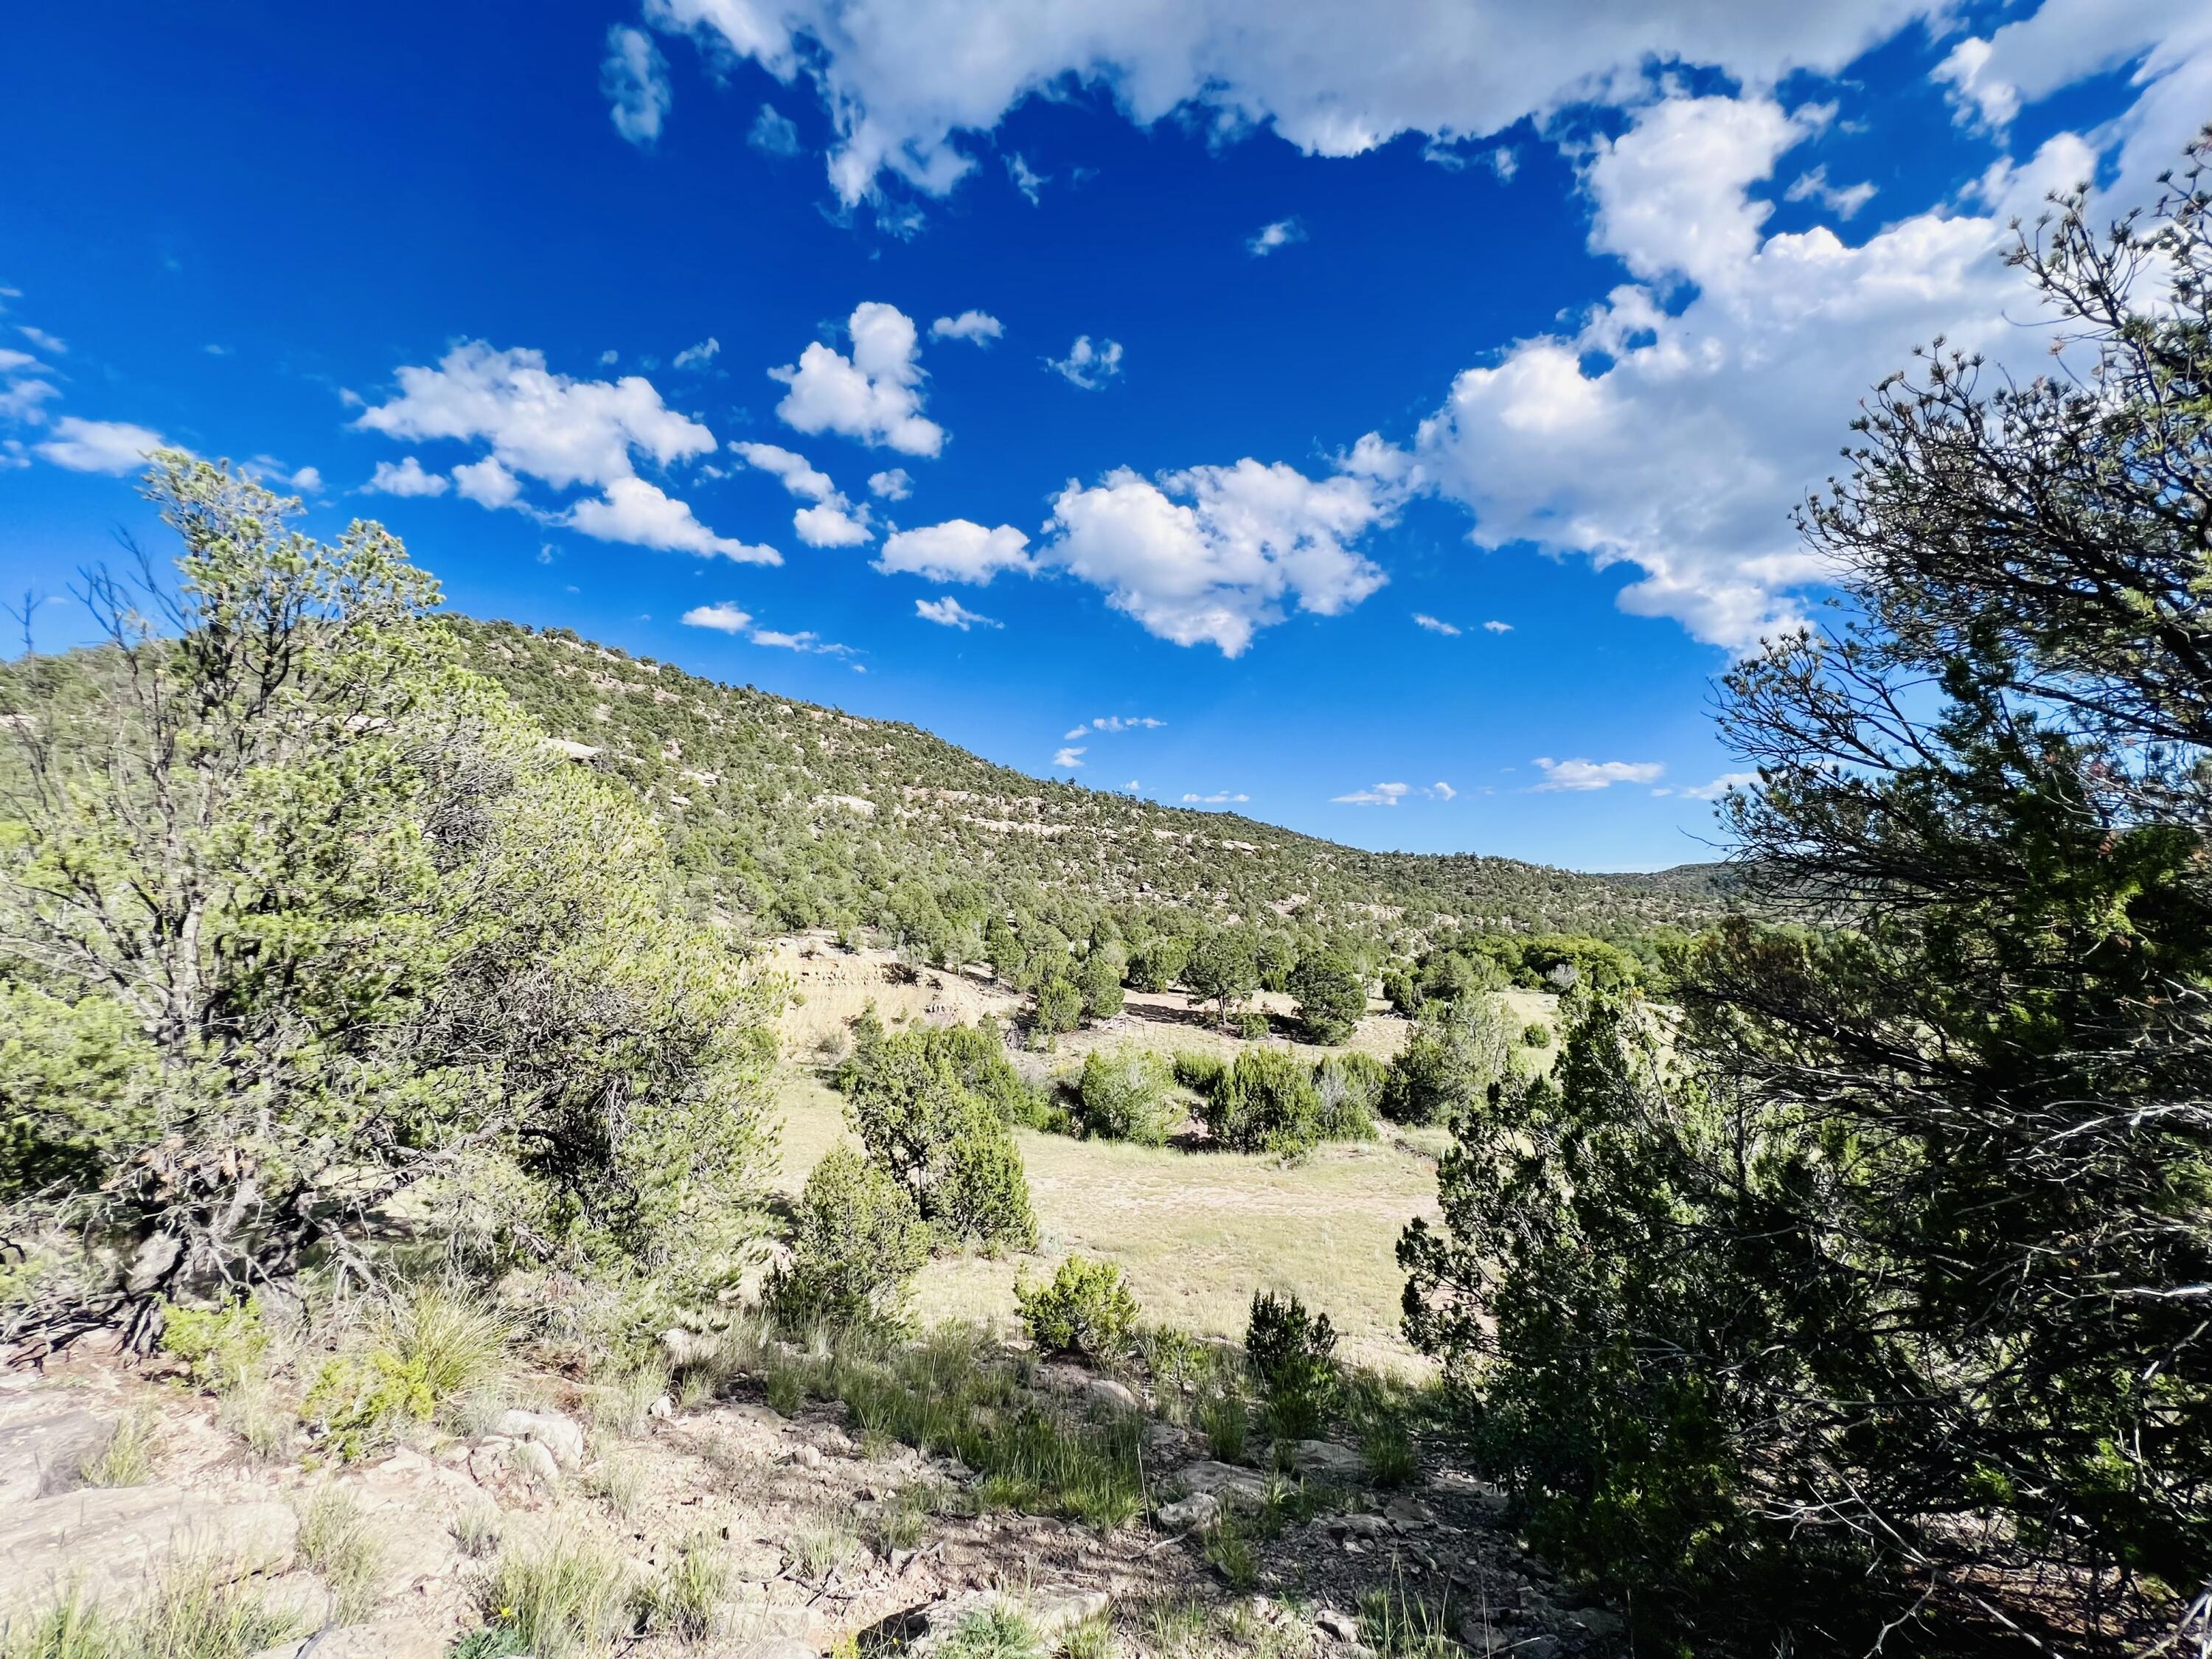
x: 1086, y: 1309
x: 1057, y: 1007
x: 1099, y: 979
x: 1159, y: 964
x: 1535, y: 1035
x: 981, y: 1195
x: 859, y: 1239
x: 1349, y: 1086
x: 1456, y: 1051
x: 223, y: 1345
x: 1293, y: 1353
x: 1200, y: 1072
x: 1252, y: 1024
x: 1266, y: 1101
x: 1331, y: 996
x: 1125, y: 1097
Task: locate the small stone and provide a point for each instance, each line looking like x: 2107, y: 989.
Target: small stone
x: 807, y: 1457
x: 1105, y: 1391
x: 536, y: 1460
x: 1198, y: 1510
x: 1409, y: 1514
x: 560, y: 1437
x: 662, y: 1408
x: 1240, y: 1488
x: 1361, y: 1526
x: 1056, y: 1607
x: 1338, y: 1626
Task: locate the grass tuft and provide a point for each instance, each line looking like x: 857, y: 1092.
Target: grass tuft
x: 338, y: 1539
x: 562, y: 1598
x: 824, y: 1544
x: 997, y: 1632
x: 686, y: 1601
x: 203, y: 1611
x: 127, y: 1459
x: 476, y: 1531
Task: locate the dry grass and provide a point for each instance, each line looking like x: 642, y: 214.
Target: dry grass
x: 1195, y: 1234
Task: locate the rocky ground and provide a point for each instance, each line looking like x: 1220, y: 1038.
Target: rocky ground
x: 796, y: 1511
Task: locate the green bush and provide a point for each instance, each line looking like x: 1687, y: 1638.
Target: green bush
x: 223, y: 1345
x: 1292, y: 1352
x: 1331, y: 996
x: 1085, y: 1309
x: 1200, y: 1072
x: 1349, y: 1086
x: 1456, y: 1051
x: 1125, y: 1097
x: 1099, y: 980
x: 859, y: 1239
x: 1252, y: 1024
x: 1058, y: 1006
x: 982, y: 1192
x: 1535, y: 1035
x: 1159, y: 964
x: 1266, y: 1102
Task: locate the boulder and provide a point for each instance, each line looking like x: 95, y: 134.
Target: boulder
x: 1337, y: 1625
x: 44, y: 1452
x: 1192, y: 1514
x: 1360, y: 1526
x: 559, y: 1435
x: 1237, y: 1488
x: 1105, y: 1391
x: 115, y: 1541
x: 1328, y: 1460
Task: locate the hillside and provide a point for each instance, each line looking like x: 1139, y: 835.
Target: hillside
x: 799, y: 816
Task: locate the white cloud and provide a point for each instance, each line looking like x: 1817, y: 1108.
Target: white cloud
x: 957, y: 550
x: 1220, y: 798
x: 487, y: 483
x: 1444, y: 792
x: 1721, y: 785
x: 1087, y: 365
x: 309, y: 480
x: 873, y: 395
x: 1593, y: 774
x: 20, y: 399
x: 1498, y: 626
x: 633, y: 80
x: 12, y: 362
x: 835, y: 523
x: 1113, y: 723
x: 562, y: 432
x: 610, y: 357
x: 905, y: 85
x: 631, y: 510
x: 723, y: 617
x: 799, y: 474
x: 51, y: 343
x: 1069, y: 757
x: 544, y: 425
x: 696, y: 356
x: 1281, y: 234
x: 115, y: 446
x: 1213, y: 554
x: 1435, y: 625
x: 407, y: 478
x: 1677, y: 435
x: 773, y: 132
x: 806, y: 642
x: 894, y: 485
x: 949, y: 612
x: 1382, y: 794
x: 1027, y: 179
x: 1844, y: 202
x: 980, y: 326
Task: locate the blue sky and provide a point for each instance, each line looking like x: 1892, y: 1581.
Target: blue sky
x: 1383, y: 419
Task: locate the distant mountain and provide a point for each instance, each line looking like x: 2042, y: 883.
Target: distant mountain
x: 801, y: 815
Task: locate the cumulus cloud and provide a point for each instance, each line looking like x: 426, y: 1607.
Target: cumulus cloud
x: 797, y: 475
x: 1382, y: 794
x: 979, y: 327
x: 1721, y: 785
x: 874, y: 396
x: 957, y: 550
x: 112, y: 446
x: 407, y: 478
x: 486, y: 483
x: 893, y: 485
x: 1435, y: 625
x: 773, y: 132
x: 21, y: 398
x: 722, y: 617
x: 949, y: 612
x: 697, y: 357
x: 1219, y: 798
x: 1495, y: 627
x: 905, y: 85
x: 1212, y: 554
x: 633, y: 80
x: 1269, y: 238
x: 1087, y: 365
x: 834, y: 523
x: 1069, y: 757
x: 1593, y: 774
x: 561, y: 432
x: 631, y: 510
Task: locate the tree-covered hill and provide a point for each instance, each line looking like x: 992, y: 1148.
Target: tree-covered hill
x: 797, y: 815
